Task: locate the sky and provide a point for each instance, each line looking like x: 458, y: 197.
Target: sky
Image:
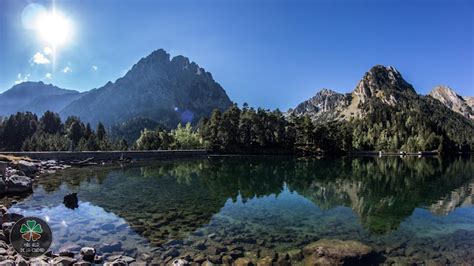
x: 270, y: 54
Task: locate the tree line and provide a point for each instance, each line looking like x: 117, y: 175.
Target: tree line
x: 252, y: 131
x: 25, y: 131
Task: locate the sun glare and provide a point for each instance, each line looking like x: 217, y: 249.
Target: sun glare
x: 54, y: 28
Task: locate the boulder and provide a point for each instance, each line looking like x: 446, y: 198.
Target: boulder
x: 3, y: 187
x: 7, y: 228
x: 82, y: 263
x: 180, y: 262
x: 71, y: 247
x: 3, y: 169
x: 66, y: 253
x: 124, y: 258
x: 63, y: 261
x: 11, y: 217
x: 88, y: 254
x: 111, y: 247
x: 117, y: 262
x: 20, y: 261
x: 3, y: 209
x: 335, y: 252
x: 3, y: 239
x: 39, y: 261
x: 267, y: 261
x: 26, y: 167
x: 7, y: 262
x: 71, y: 201
x: 98, y: 259
x: 18, y: 184
x: 243, y: 262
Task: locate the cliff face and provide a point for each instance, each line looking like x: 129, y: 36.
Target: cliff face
x: 384, y: 83
x: 470, y: 101
x: 325, y: 105
x: 453, y: 101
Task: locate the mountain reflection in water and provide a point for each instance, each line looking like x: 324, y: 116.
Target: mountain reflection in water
x: 278, y: 203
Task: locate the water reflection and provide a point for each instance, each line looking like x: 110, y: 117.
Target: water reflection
x: 263, y: 202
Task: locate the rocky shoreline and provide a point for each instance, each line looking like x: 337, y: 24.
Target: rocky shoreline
x: 17, y: 173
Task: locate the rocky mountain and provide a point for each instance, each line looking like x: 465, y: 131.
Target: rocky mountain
x: 385, y: 113
x: 469, y: 101
x: 166, y: 90
x: 325, y: 105
x: 35, y: 97
x: 453, y: 101
x: 381, y: 85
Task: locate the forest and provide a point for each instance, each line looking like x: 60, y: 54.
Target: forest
x: 246, y: 131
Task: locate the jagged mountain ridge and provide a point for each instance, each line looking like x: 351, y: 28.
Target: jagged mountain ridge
x: 454, y: 101
x: 381, y: 84
x: 325, y: 105
x: 157, y: 87
x: 35, y: 97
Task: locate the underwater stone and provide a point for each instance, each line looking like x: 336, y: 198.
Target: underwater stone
x: 334, y: 251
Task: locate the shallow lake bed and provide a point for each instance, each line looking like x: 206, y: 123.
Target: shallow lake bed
x: 410, y: 210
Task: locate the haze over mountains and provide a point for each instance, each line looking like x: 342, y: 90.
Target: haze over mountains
x: 36, y: 97
x: 176, y: 90
x: 166, y: 90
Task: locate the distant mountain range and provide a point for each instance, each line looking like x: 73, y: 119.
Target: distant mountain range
x: 36, y: 97
x: 166, y: 90
x: 175, y: 90
x: 382, y: 84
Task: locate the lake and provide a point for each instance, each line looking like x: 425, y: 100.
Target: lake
x: 410, y: 210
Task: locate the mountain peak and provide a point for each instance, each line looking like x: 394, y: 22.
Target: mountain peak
x: 157, y: 87
x: 326, y: 92
x: 35, y: 96
x: 383, y: 82
x: 324, y: 105
x: 452, y: 100
x: 160, y: 55
x: 445, y: 91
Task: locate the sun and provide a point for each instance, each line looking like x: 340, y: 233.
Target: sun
x: 54, y: 28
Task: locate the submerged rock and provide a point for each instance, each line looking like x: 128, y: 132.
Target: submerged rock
x: 71, y: 201
x: 63, y: 261
x: 111, y: 247
x: 335, y: 252
x: 121, y: 258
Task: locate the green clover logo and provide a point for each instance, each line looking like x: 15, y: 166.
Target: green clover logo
x: 31, y: 230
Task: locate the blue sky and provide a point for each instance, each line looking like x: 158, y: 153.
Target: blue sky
x: 267, y: 53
